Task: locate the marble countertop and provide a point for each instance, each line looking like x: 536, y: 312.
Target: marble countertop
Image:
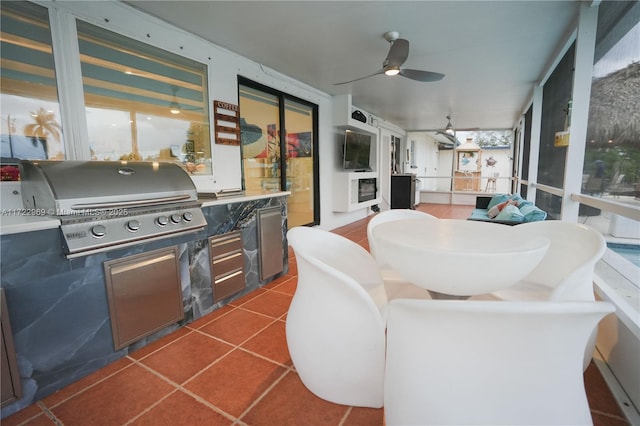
x: 14, y: 222
x: 248, y: 196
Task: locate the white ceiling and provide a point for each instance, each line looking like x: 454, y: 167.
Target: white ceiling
x: 492, y: 52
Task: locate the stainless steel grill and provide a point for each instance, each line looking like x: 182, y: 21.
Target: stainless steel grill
x: 103, y: 205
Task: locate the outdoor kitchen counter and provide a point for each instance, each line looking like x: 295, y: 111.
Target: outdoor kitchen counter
x: 16, y: 221
x: 59, y: 307
x: 248, y: 196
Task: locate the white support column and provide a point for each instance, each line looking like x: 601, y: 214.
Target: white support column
x: 534, y: 145
x: 69, y: 78
x: 517, y: 161
x: 582, y: 75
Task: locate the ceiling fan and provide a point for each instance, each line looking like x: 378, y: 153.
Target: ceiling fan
x: 449, y: 133
x: 398, y: 54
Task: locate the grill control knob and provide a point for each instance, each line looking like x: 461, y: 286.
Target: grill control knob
x: 98, y: 231
x: 133, y: 225
x: 187, y: 216
x: 162, y: 220
x: 175, y: 218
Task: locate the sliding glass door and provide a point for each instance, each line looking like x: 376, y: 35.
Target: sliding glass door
x: 299, y: 162
x: 279, y: 148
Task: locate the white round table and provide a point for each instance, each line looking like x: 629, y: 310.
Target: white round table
x: 459, y: 257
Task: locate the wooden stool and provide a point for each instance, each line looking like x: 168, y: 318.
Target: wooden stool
x: 491, y: 183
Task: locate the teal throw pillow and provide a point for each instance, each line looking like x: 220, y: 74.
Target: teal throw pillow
x: 510, y: 213
x: 517, y: 198
x: 532, y: 213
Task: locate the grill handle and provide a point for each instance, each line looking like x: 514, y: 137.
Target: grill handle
x: 134, y: 203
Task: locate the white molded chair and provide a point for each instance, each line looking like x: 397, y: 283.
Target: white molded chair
x: 565, y: 272
x: 395, y: 284
x: 336, y: 322
x: 487, y: 362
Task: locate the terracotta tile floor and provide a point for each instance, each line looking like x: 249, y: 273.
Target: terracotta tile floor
x: 231, y: 367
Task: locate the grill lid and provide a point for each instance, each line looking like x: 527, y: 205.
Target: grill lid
x: 107, y: 205
x: 72, y: 186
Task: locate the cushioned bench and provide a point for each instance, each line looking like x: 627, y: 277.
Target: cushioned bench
x: 509, y: 210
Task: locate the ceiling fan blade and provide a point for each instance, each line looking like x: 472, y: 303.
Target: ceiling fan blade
x: 418, y: 75
x: 398, y: 53
x: 361, y: 78
x: 452, y: 139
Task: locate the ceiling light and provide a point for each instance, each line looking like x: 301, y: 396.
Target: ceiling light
x: 449, y: 129
x: 392, y: 71
x: 174, y: 108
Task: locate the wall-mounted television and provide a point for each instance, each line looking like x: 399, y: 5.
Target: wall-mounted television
x: 357, y: 151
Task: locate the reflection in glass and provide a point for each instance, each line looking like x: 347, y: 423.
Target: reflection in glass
x: 611, y: 168
x: 143, y: 103
x: 30, y: 113
x: 260, y: 136
x: 269, y: 165
x: 612, y: 156
x: 299, y: 162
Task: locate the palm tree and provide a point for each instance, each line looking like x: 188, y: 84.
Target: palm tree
x: 45, y: 125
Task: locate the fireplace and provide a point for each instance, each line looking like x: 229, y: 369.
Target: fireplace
x: 366, y: 189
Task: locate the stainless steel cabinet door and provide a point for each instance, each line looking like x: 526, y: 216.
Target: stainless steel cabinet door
x: 145, y: 294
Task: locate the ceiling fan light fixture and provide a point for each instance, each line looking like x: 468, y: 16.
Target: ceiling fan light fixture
x: 398, y: 54
x: 449, y: 129
x: 392, y: 71
x: 174, y: 107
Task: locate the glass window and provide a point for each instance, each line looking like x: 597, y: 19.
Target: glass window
x: 260, y: 135
x: 30, y: 112
x: 612, y: 155
x: 611, y: 169
x: 143, y: 103
x: 299, y: 162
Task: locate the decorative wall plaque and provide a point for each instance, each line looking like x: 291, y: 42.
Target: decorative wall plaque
x: 227, y: 123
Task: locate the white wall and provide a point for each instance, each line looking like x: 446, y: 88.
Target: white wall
x: 426, y: 161
x: 502, y: 167
x: 224, y: 67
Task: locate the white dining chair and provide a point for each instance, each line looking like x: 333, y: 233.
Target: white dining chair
x: 566, y: 270
x: 335, y: 326
x: 395, y: 284
x: 487, y: 362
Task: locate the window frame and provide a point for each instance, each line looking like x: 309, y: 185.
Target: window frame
x: 63, y: 19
